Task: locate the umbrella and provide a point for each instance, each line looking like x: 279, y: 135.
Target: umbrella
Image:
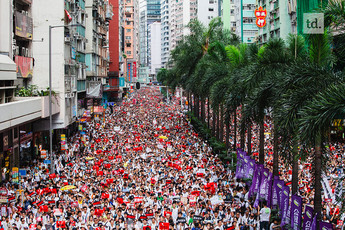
x: 67, y: 187
x: 89, y: 158
x: 163, y: 137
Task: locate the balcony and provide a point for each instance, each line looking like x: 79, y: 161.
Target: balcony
x: 248, y: 14
x: 45, y: 106
x: 80, y: 30
x: 25, y: 109
x: 81, y: 3
x: 81, y: 86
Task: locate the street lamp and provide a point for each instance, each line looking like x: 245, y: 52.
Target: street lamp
x: 50, y: 95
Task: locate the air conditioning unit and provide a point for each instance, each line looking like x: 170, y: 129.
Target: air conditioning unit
x: 67, y: 39
x: 27, y: 54
x: 76, y: 34
x: 69, y: 95
x: 16, y: 51
x: 23, y: 52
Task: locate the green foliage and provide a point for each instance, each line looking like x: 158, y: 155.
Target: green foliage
x: 32, y: 91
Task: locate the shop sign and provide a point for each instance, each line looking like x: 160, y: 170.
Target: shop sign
x: 80, y: 127
x: 313, y: 23
x: 23, y: 25
x: 121, y: 82
x: 98, y: 109
x: 134, y: 69
x: 3, y: 191
x: 63, y: 142
x: 5, y: 141
x: 260, y: 15
x: 129, y: 71
x: 43, y: 154
x: 15, y: 175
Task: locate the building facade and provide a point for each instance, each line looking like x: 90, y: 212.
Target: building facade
x: 130, y: 26
x: 155, y: 47
x: 100, y: 12
x: 228, y: 15
x: 114, y: 52
x: 245, y: 20
x: 20, y: 111
x: 207, y: 10
x: 281, y: 19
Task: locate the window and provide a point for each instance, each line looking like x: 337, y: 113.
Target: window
x: 232, y: 11
x: 210, y: 9
x: 128, y: 30
x: 128, y: 37
x: 129, y: 52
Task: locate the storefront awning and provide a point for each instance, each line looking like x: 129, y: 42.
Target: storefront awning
x: 7, y: 68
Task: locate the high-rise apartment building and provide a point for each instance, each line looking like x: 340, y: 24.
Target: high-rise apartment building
x: 114, y: 53
x: 175, y: 17
x: 130, y: 26
x: 150, y: 12
x: 165, y: 19
x: 207, y: 10
x: 245, y: 20
x: 228, y: 15
x: 97, y: 48
x: 155, y: 47
x: 281, y: 19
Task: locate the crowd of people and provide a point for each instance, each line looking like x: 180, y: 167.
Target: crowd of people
x: 140, y: 167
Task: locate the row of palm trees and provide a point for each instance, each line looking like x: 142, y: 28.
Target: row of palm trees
x: 292, y: 82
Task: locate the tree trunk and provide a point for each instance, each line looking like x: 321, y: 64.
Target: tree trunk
x: 294, y: 167
x: 203, y: 110
x: 227, y: 129
x: 235, y: 130
x: 262, y: 142
x: 208, y: 113
x: 213, y: 122
x: 243, y: 137
x: 249, y: 139
x: 275, y: 152
x: 195, y: 106
x: 217, y: 125
x: 191, y: 103
x: 221, y: 123
x: 317, y: 176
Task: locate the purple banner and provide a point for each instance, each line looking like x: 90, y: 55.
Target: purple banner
x: 245, y: 167
x: 296, y: 212
x: 280, y: 186
x: 326, y: 226
x: 251, y: 168
x: 269, y: 189
x: 264, y: 183
x: 260, y: 168
x: 274, y: 200
x: 255, y: 178
x: 313, y: 224
x: 284, y: 205
x: 308, y: 218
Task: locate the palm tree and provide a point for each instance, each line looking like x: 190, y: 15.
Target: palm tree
x: 315, y: 120
x: 261, y: 84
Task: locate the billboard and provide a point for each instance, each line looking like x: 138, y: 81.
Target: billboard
x: 23, y: 25
x: 24, y: 66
